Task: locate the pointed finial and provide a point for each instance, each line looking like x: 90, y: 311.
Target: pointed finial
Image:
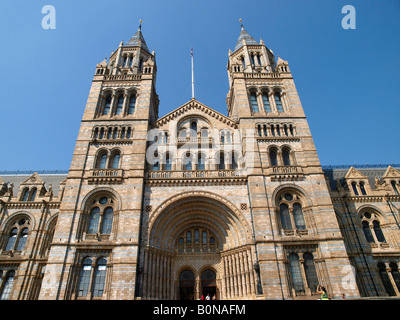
x: 241, y: 22
x: 140, y: 24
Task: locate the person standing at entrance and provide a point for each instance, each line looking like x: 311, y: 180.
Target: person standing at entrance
x: 208, y: 296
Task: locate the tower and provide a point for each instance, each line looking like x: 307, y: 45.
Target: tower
x: 98, y: 227
x: 296, y: 232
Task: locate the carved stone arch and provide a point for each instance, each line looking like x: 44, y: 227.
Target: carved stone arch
x: 51, y: 220
x: 172, y: 216
x: 193, y: 116
x: 94, y: 193
x: 292, y: 186
x: 15, y: 216
x: 374, y: 209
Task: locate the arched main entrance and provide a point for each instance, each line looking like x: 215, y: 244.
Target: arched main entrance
x: 198, y: 243
x: 186, y: 285
x: 209, y: 283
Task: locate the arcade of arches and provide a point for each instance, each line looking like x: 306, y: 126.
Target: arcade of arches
x: 198, y: 245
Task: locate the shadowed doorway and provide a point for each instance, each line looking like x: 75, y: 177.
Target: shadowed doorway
x: 186, y: 285
x: 209, y: 283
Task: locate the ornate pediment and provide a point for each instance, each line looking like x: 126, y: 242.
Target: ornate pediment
x: 195, y: 108
x: 33, y: 180
x: 354, y: 174
x: 391, y: 173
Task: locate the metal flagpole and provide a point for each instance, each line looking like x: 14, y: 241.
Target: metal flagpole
x: 191, y: 52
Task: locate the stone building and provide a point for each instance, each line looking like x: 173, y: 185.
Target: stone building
x: 197, y: 202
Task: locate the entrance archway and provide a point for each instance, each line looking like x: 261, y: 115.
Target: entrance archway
x: 189, y: 233
x: 186, y: 285
x: 209, y: 283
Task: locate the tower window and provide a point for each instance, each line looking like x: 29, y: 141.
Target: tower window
x: 132, y: 104
x: 102, y: 162
x: 115, y: 161
x: 273, y: 157
x: 286, y: 157
x: 120, y: 104
x: 278, y: 102
x: 265, y: 99
x: 107, y: 105
x: 253, y: 103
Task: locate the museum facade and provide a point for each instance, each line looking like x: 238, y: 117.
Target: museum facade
x: 197, y: 202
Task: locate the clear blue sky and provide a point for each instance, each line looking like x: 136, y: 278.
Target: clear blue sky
x: 348, y: 80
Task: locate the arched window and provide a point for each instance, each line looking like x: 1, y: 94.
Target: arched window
x: 393, y: 183
x: 362, y: 188
x: 367, y: 232
x: 395, y: 274
x: 22, y: 239
x: 273, y: 157
x: 94, y: 219
x: 12, y: 239
x: 115, y: 160
x: 156, y: 165
x: 385, y: 279
x: 8, y: 284
x: 107, y: 220
x: 25, y: 194
x: 378, y: 231
x: 311, y: 273
x: 187, y: 162
x: 107, y: 105
x: 193, y: 129
x: 204, y: 236
x: 285, y: 217
x: 100, y: 217
x: 265, y: 99
x: 295, y: 270
x: 84, y: 277
x: 32, y: 194
x: 221, y: 164
x: 100, y: 277
x: 253, y: 103
x: 132, y: 104
x: 286, y: 157
x: 120, y: 104
x: 278, y: 102
x: 234, y: 163
x: 201, y: 162
x: 354, y: 185
x: 189, y: 237
x: 102, y: 160
x: 168, y: 163
x: 298, y: 217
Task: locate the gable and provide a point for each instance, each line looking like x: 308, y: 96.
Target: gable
x: 391, y: 173
x: 355, y: 174
x: 34, y: 179
x: 193, y: 109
